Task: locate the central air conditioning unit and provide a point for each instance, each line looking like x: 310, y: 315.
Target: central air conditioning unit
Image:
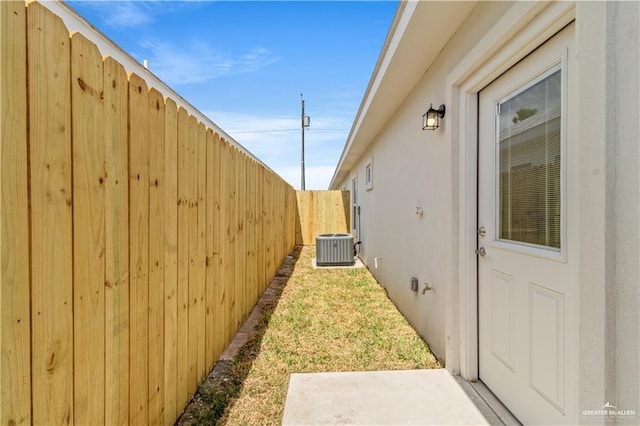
x: 334, y: 250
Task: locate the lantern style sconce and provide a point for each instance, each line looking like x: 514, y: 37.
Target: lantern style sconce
x: 431, y: 118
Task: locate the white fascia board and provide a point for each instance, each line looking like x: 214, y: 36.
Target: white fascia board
x: 76, y: 23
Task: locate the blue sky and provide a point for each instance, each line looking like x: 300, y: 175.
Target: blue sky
x: 245, y: 63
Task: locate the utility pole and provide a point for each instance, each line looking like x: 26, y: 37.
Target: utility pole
x: 305, y: 121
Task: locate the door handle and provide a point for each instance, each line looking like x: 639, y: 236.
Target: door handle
x: 481, y: 251
x: 482, y: 231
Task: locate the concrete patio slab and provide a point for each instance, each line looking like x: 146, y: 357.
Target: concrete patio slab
x: 408, y: 397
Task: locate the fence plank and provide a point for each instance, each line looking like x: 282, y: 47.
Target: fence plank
x: 210, y: 269
x: 87, y: 109
x: 253, y: 282
x: 171, y: 263
x: 192, y: 187
x: 219, y: 340
x: 183, y: 256
x: 117, y: 245
x: 201, y: 369
x: 261, y: 232
x: 139, y: 249
x: 238, y: 235
x: 223, y: 299
x: 345, y: 213
x: 51, y: 226
x: 240, y: 254
x: 266, y: 200
x: 229, y: 184
x: 15, y: 346
x: 156, y: 254
x: 311, y: 217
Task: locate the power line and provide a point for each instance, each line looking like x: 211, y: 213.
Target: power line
x: 285, y: 130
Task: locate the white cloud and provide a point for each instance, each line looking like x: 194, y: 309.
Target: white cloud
x: 124, y: 13
x: 132, y: 13
x: 195, y: 61
x: 128, y: 14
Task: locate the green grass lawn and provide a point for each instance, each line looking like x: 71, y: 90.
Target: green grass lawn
x: 325, y: 320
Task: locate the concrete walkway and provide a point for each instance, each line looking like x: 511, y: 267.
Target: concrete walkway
x: 408, y: 397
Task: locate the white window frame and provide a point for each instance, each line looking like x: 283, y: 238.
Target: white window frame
x: 368, y: 174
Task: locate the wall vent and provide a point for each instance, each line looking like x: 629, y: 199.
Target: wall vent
x: 334, y: 250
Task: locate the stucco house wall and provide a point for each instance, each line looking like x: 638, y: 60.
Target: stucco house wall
x: 433, y: 173
x: 414, y: 171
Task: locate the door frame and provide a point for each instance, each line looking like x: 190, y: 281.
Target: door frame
x: 537, y: 23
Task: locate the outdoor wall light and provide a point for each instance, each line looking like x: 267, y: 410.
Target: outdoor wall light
x: 431, y: 118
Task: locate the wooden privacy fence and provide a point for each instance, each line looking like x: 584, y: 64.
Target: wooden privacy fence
x: 134, y: 240
x: 321, y: 212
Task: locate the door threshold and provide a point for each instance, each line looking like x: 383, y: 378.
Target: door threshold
x: 495, y: 404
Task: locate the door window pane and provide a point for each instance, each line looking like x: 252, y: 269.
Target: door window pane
x: 529, y: 160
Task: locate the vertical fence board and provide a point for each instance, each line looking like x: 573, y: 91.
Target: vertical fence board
x: 308, y: 216
x: 253, y: 232
x: 171, y: 262
x: 223, y: 300
x: 293, y: 214
x: 248, y: 238
x: 15, y: 346
x: 183, y: 256
x: 318, y: 215
x: 344, y: 209
x: 117, y: 245
x: 229, y: 183
x: 262, y: 243
x: 237, y: 244
x: 51, y: 217
x: 248, y: 294
x: 266, y: 198
x: 192, y: 188
x: 156, y: 254
x: 218, y: 321
x: 209, y: 256
x: 240, y: 254
x: 201, y: 369
x: 87, y: 109
x: 251, y: 279
x: 139, y: 249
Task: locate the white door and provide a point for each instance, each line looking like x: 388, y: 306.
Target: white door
x: 527, y: 280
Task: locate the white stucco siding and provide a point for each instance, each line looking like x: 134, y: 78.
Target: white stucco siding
x: 609, y: 43
x: 626, y: 104
x: 416, y: 169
